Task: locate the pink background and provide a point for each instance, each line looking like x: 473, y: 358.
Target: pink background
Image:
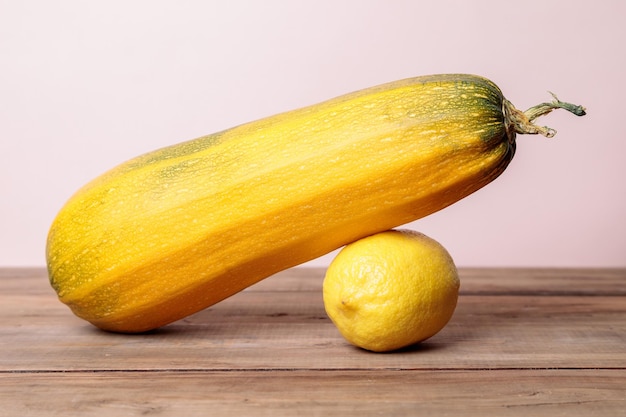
x: 87, y: 85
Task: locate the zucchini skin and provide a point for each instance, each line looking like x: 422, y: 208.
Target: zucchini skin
x: 176, y: 230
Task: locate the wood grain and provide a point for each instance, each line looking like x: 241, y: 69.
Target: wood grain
x: 521, y: 342
x: 319, y: 393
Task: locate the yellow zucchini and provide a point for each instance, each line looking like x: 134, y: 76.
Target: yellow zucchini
x: 176, y: 230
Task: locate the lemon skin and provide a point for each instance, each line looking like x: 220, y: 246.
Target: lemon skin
x: 391, y: 290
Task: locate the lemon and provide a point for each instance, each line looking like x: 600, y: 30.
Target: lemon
x: 391, y: 290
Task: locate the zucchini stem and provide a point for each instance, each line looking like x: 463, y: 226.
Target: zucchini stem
x: 522, y: 122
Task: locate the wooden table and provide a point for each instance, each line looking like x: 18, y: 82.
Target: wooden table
x: 522, y: 342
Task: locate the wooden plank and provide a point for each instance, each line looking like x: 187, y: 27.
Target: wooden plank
x: 478, y: 393
x: 488, y: 281
x: 522, y: 342
x: 288, y: 329
x: 544, y: 281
